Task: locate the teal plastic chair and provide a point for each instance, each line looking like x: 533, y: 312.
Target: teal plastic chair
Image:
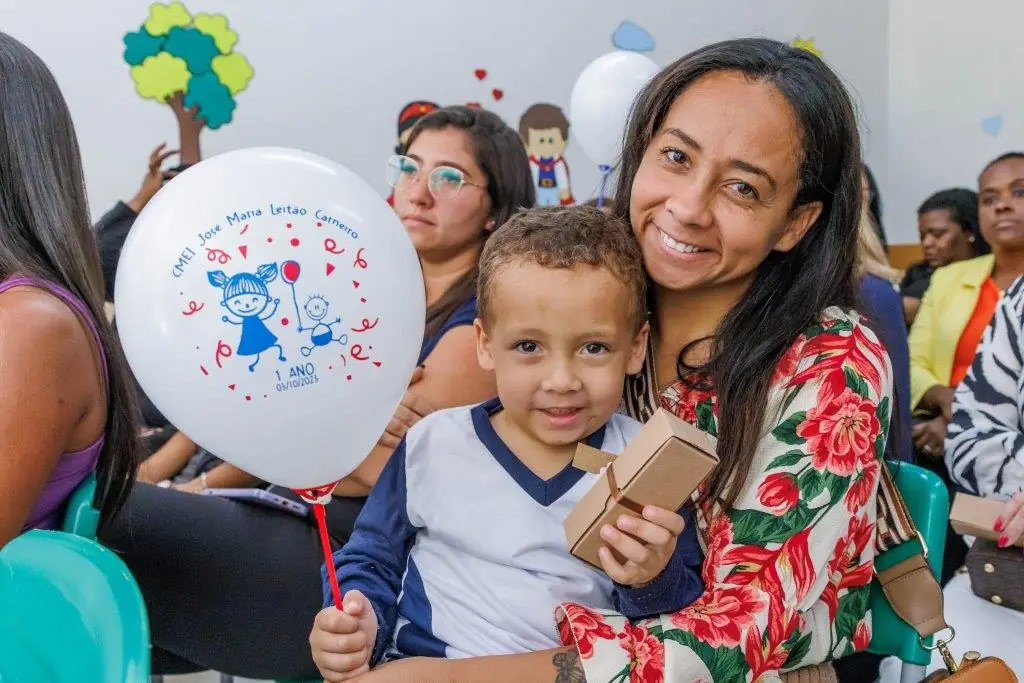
x: 927, y: 502
x: 70, y: 612
x: 80, y: 517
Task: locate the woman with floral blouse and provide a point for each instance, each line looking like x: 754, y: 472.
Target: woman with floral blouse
x: 741, y: 168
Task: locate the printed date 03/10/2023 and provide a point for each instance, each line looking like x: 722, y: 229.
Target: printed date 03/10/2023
x: 298, y: 376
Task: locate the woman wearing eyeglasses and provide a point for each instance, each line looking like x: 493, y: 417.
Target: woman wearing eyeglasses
x: 233, y: 587
x: 464, y: 172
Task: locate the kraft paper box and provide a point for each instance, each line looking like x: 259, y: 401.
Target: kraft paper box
x: 974, y: 516
x: 662, y: 466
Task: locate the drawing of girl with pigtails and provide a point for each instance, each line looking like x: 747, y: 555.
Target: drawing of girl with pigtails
x: 249, y: 303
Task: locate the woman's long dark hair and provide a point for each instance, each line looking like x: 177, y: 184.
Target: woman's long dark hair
x: 45, y: 233
x: 500, y: 154
x: 790, y: 289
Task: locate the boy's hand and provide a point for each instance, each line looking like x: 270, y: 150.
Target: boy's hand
x: 647, y: 557
x: 342, y: 639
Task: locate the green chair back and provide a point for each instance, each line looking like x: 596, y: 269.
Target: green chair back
x: 80, y: 517
x: 70, y: 611
x: 927, y: 502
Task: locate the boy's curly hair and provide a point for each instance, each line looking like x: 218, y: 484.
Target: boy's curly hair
x: 565, y: 237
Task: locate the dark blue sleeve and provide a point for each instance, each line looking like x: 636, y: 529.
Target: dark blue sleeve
x: 374, y: 559
x: 463, y: 315
x: 675, y: 588
x: 884, y: 310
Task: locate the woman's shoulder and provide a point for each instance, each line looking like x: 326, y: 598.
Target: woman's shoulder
x: 959, y: 271
x: 837, y: 336
x: 38, y: 323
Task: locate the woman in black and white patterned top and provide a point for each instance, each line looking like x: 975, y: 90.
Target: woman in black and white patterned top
x: 985, y: 439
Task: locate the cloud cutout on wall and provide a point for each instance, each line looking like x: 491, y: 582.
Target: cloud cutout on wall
x: 631, y: 36
x: 992, y: 125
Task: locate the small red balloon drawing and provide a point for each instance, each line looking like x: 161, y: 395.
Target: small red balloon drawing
x: 498, y: 93
x: 295, y: 241
x: 481, y: 74
x: 290, y: 271
x: 284, y: 321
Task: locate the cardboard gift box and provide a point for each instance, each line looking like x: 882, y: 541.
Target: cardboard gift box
x: 974, y: 516
x: 662, y: 466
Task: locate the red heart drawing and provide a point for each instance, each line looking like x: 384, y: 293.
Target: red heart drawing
x: 498, y: 93
x: 244, y: 251
x: 481, y: 74
x: 355, y: 283
x: 330, y: 268
x: 231, y: 387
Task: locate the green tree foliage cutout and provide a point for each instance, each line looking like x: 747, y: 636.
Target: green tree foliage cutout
x: 174, y: 52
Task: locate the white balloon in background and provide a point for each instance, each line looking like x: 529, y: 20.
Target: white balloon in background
x: 601, y: 102
x: 272, y: 307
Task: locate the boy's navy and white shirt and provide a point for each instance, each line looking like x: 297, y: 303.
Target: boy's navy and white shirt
x: 461, y: 551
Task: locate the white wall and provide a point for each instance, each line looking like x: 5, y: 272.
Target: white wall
x: 331, y: 75
x: 953, y: 64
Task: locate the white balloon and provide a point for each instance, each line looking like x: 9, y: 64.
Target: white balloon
x: 272, y: 307
x: 601, y: 101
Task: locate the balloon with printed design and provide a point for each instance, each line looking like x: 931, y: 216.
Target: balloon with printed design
x: 272, y: 307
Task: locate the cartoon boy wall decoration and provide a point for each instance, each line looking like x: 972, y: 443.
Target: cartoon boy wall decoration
x: 545, y: 132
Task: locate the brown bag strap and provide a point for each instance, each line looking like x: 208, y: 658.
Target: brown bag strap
x: 910, y: 586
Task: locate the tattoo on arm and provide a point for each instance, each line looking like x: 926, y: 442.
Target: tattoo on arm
x: 568, y: 668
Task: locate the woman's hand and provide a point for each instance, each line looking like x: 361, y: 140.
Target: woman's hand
x: 647, y: 545
x: 930, y: 437
x: 1011, y: 521
x: 940, y: 398
x: 154, y: 178
x: 411, y: 410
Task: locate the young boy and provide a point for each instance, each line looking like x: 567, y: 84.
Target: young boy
x: 460, y: 550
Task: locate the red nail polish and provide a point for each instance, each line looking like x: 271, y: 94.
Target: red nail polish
x: 1003, y: 541
x: 998, y: 526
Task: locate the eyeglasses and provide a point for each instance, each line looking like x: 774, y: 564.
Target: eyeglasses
x: 444, y: 182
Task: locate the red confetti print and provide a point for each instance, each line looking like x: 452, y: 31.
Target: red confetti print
x: 270, y: 240
x: 355, y: 283
x: 474, y: 105
x: 330, y: 268
x: 244, y: 251
x: 284, y: 321
x: 223, y: 351
x: 289, y: 225
x: 319, y: 224
x: 331, y: 246
x: 357, y: 352
x: 348, y: 377
x: 330, y: 367
x: 295, y: 241
x: 232, y: 387
x: 481, y: 74
x: 366, y: 325
x: 248, y: 397
x: 344, y: 361
x: 362, y: 300
x: 245, y: 229
x: 193, y: 308
x: 205, y: 372
x: 377, y: 363
x: 360, y: 262
x: 498, y: 93
x: 218, y: 255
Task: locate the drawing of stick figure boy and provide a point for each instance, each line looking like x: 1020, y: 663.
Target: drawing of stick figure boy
x: 248, y: 302
x: 322, y: 333
x: 545, y: 132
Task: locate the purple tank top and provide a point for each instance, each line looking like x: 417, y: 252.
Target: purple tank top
x: 72, y: 468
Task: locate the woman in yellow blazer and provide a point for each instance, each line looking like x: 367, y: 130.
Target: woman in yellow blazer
x: 961, y: 300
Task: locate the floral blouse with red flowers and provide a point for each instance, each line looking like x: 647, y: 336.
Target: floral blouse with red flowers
x: 788, y: 569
